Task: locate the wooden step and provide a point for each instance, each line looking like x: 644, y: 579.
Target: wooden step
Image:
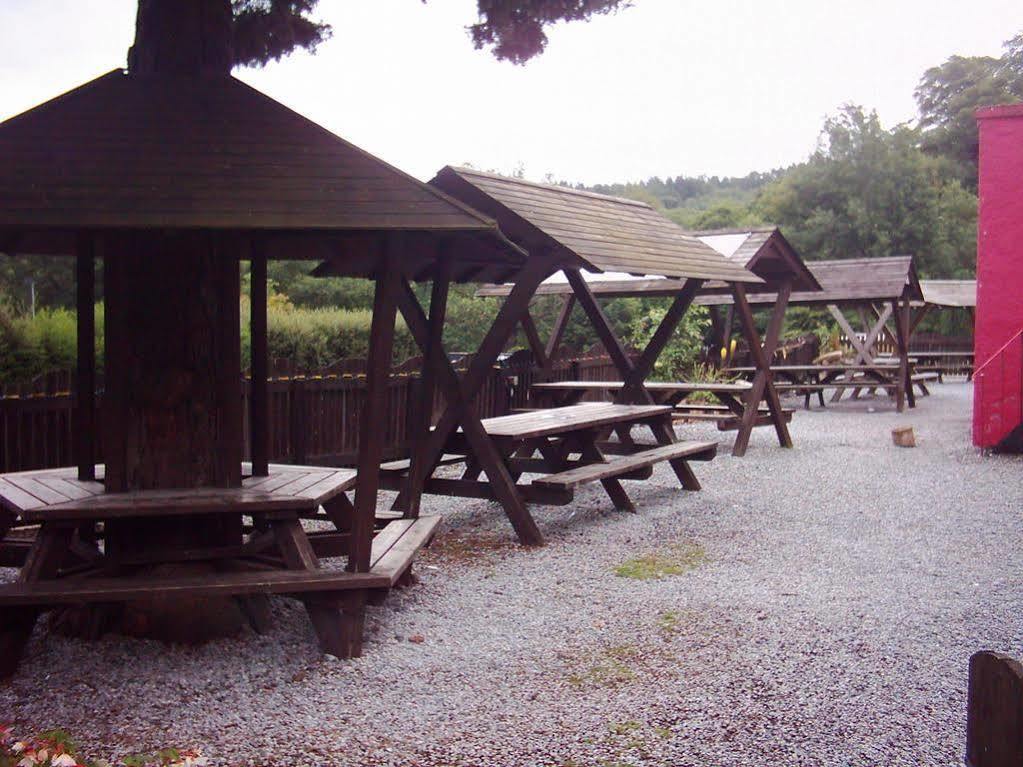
x: 566, y: 480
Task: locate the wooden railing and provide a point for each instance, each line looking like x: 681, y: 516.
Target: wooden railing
x: 314, y: 418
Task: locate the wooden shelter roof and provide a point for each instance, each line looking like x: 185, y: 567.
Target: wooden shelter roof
x: 765, y: 252
x: 847, y: 281
x: 595, y: 232
x: 950, y: 293
x: 144, y: 152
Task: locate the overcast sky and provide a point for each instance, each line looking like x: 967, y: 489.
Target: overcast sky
x: 665, y: 88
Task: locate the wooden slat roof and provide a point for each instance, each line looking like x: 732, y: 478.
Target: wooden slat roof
x: 950, y: 293
x: 146, y: 151
x: 848, y: 281
x: 764, y: 251
x: 594, y: 232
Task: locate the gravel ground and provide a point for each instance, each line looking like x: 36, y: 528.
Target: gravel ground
x: 845, y: 584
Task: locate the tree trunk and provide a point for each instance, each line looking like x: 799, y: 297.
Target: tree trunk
x: 182, y: 37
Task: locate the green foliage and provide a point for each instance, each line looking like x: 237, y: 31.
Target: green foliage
x: 515, y: 28
x: 685, y: 346
x: 869, y: 192
x: 316, y: 338
x: 949, y: 94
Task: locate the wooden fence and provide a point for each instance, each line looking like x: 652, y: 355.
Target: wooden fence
x: 314, y: 418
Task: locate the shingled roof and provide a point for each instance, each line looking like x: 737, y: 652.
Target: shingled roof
x: 763, y: 251
x: 596, y: 232
x: 849, y: 281
x: 130, y: 151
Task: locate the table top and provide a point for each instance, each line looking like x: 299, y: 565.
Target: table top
x: 942, y: 354
x: 558, y: 420
x: 58, y: 494
x: 671, y: 386
x: 821, y: 368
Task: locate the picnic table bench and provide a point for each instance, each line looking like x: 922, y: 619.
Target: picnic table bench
x: 563, y: 444
x: 272, y: 554
x: 728, y: 414
x: 809, y: 380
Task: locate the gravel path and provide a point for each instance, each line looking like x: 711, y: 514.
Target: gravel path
x: 843, y: 586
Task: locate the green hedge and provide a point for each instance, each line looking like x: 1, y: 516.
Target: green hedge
x: 311, y: 338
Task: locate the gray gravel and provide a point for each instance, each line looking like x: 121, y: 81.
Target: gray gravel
x: 845, y: 585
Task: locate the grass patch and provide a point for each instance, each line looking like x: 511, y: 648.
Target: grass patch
x: 609, y: 667
x: 676, y: 560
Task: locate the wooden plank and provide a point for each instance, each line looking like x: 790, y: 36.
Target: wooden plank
x: 567, y: 480
x: 259, y: 399
x: 155, y: 503
x: 387, y: 537
x: 555, y: 421
x: 558, y: 331
x: 378, y: 370
x: 71, y: 591
x: 85, y: 380
x: 399, y: 557
x: 994, y: 711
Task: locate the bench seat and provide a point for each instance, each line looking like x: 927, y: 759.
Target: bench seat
x: 393, y: 550
x: 580, y: 475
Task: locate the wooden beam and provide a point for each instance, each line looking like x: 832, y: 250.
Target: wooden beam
x: 763, y: 382
x: 558, y: 332
x: 666, y: 329
x: 371, y: 436
x: 634, y: 391
x: 434, y: 345
x: 85, y: 381
x: 536, y: 346
x: 259, y: 400
x: 460, y: 402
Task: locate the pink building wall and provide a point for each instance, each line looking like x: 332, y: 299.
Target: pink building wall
x: 998, y: 347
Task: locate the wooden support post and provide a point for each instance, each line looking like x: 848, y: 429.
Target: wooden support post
x: 409, y: 501
x: 371, y: 436
x: 763, y: 381
x: 459, y: 398
x: 994, y: 711
x: 558, y: 332
x: 666, y: 329
x: 633, y: 391
x: 259, y: 402
x: 526, y: 283
x: 901, y: 310
x: 536, y: 346
x: 85, y: 382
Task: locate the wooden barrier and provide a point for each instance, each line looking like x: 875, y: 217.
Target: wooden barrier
x: 313, y: 418
x: 994, y: 711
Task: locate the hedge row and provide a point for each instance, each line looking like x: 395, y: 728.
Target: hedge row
x: 311, y: 338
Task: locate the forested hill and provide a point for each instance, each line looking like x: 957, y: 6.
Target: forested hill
x: 867, y: 190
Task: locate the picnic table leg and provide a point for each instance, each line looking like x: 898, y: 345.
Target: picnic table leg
x: 633, y: 375
x: 340, y: 634
x: 461, y: 409
x: 763, y: 384
x: 44, y: 559
x: 592, y: 453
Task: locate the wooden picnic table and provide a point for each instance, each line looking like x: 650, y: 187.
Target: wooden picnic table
x: 261, y: 546
x: 734, y: 412
x: 562, y: 444
x: 814, y: 379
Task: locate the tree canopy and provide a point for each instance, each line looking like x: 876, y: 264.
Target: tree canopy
x: 268, y: 30
x: 949, y: 94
